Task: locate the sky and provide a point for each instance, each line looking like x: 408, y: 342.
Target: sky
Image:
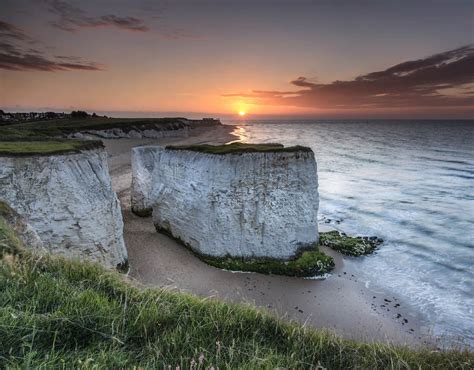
x: 268, y: 58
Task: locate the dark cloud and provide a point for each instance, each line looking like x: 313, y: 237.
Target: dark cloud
x: 71, y: 18
x: 35, y: 62
x: 16, y: 54
x: 10, y: 31
x: 444, y: 79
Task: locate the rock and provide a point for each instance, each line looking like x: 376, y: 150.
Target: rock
x: 68, y: 200
x: 348, y: 245
x: 262, y: 204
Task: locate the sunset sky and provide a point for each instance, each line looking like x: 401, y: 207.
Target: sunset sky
x: 391, y: 59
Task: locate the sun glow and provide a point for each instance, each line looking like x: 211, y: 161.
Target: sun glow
x: 242, y: 113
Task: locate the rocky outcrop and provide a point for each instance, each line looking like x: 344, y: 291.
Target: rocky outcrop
x: 179, y: 127
x: 68, y: 200
x: 256, y: 204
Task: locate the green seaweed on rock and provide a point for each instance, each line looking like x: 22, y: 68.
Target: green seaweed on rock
x: 348, y: 245
x: 309, y: 263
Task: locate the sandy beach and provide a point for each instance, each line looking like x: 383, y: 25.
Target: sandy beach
x: 340, y: 302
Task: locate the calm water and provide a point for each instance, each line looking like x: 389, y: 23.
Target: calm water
x: 409, y: 182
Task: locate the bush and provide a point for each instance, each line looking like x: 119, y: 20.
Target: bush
x: 79, y: 114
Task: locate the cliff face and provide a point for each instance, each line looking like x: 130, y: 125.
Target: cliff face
x: 178, y: 128
x: 68, y: 200
x: 242, y: 205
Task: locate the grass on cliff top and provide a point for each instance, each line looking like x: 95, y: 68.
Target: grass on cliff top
x: 65, y: 126
x: 27, y: 147
x: 56, y: 313
x: 239, y: 148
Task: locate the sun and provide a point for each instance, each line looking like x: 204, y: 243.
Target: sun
x: 242, y: 113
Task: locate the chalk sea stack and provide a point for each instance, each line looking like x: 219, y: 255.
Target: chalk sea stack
x: 237, y: 200
x: 63, y: 190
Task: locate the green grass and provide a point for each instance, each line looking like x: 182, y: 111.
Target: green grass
x: 61, y: 127
x: 239, y: 148
x: 45, y: 147
x: 10, y: 243
x: 56, y: 313
x: 348, y: 245
x: 5, y: 209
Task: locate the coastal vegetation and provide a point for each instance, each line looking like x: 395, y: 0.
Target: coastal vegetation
x: 66, y: 126
x: 73, y: 125
x: 25, y: 147
x: 348, y: 245
x: 239, y: 148
x: 10, y: 243
x: 309, y: 263
x: 57, y: 313
x: 52, y: 136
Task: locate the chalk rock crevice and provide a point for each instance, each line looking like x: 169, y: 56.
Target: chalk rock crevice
x: 239, y: 204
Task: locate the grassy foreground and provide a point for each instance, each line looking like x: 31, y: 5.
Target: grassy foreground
x: 60, y: 313
x: 239, y: 148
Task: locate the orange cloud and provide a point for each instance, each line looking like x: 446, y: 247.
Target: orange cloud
x: 445, y: 79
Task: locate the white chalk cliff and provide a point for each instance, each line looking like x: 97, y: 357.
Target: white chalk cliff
x: 239, y: 204
x: 178, y: 128
x: 68, y: 200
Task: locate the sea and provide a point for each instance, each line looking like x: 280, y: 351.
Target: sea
x: 410, y: 182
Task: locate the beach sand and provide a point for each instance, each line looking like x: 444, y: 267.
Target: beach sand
x: 340, y: 303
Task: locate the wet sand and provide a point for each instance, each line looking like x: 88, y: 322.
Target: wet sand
x: 340, y: 303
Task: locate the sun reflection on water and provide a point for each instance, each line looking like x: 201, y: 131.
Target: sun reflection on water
x: 240, y: 133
